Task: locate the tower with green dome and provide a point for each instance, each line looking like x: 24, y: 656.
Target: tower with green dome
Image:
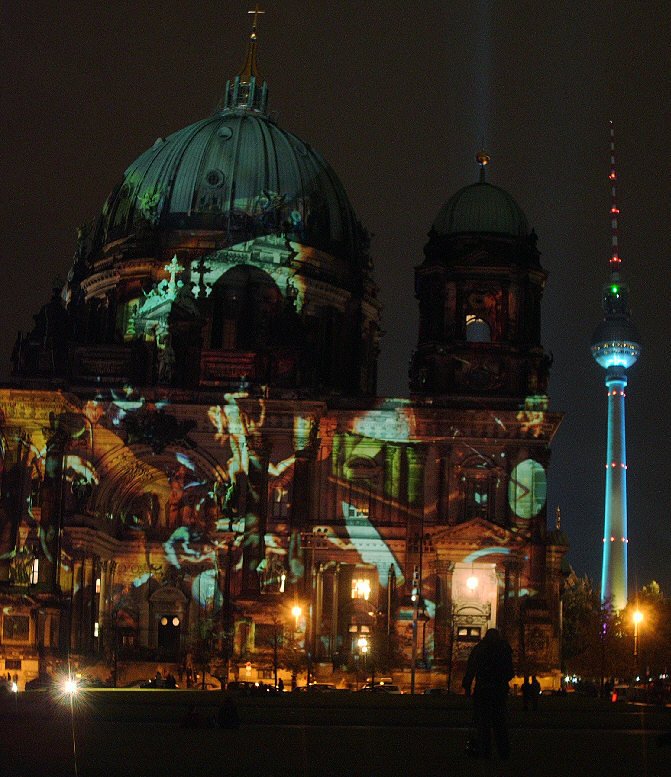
x: 479, y: 290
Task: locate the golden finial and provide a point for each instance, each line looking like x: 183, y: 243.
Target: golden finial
x: 256, y: 13
x: 483, y: 159
x: 250, y: 67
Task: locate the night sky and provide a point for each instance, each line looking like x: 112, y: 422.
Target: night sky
x: 396, y: 96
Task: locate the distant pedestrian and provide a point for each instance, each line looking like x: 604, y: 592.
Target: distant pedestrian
x: 280, y: 685
x: 490, y: 664
x: 526, y: 692
x: 535, y: 692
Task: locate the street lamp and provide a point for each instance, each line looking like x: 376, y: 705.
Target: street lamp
x: 296, y: 611
x: 637, y: 617
x: 362, y: 643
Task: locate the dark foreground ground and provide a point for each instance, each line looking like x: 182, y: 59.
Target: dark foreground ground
x: 140, y: 734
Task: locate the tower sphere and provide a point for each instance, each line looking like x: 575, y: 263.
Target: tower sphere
x: 615, y: 343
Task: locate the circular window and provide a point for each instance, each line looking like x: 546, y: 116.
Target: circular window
x: 214, y: 178
x: 225, y: 133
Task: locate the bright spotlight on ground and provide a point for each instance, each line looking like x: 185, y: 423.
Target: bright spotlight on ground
x: 70, y: 686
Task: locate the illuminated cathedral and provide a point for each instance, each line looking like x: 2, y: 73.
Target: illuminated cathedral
x: 196, y: 465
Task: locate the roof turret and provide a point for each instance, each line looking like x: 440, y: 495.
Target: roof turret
x: 248, y: 91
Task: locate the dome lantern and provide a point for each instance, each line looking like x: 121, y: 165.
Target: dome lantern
x: 249, y: 89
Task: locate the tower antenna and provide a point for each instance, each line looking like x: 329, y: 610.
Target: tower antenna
x: 614, y: 210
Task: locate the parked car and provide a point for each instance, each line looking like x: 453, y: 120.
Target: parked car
x: 317, y: 688
x: 440, y: 691
x: 163, y: 683
x: 7, y: 686
x: 38, y: 683
x: 382, y: 688
x: 250, y: 688
x: 621, y: 693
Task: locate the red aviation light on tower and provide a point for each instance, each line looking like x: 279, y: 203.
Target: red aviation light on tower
x: 614, y: 210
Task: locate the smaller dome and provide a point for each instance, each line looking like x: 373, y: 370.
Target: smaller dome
x: 481, y: 208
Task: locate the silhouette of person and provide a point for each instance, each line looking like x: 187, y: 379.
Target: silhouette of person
x: 490, y: 664
x: 526, y: 692
x: 280, y: 685
x: 535, y: 692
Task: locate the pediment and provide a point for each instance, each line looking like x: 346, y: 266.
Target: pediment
x: 167, y: 594
x: 478, y: 532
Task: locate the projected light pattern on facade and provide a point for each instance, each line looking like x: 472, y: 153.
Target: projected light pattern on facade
x: 186, y: 507
x: 207, y: 469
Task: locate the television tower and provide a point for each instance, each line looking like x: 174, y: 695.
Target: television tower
x: 615, y: 347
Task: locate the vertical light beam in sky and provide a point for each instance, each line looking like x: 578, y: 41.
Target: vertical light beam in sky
x: 482, y: 62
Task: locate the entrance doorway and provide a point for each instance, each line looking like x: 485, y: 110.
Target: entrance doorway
x: 169, y: 631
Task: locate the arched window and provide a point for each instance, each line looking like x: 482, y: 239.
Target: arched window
x: 477, y: 330
x: 245, y: 306
x: 478, y: 487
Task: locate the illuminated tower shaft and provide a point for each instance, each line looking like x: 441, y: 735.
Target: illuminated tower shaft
x: 615, y: 347
x: 614, y: 568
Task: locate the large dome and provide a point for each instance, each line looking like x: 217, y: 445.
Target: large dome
x: 481, y: 208
x: 238, y: 173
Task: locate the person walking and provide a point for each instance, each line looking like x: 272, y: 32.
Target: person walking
x: 490, y: 665
x: 535, y: 692
x: 526, y: 692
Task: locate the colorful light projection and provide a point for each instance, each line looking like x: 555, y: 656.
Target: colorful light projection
x: 527, y: 489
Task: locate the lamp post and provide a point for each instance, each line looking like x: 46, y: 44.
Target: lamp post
x: 362, y: 644
x: 637, y: 617
x: 296, y: 611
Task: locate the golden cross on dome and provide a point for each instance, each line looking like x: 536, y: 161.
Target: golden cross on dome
x: 257, y: 11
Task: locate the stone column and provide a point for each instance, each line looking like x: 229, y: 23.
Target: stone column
x: 335, y: 602
x: 416, y: 460
x: 443, y: 623
x: 318, y: 613
x: 76, y: 600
